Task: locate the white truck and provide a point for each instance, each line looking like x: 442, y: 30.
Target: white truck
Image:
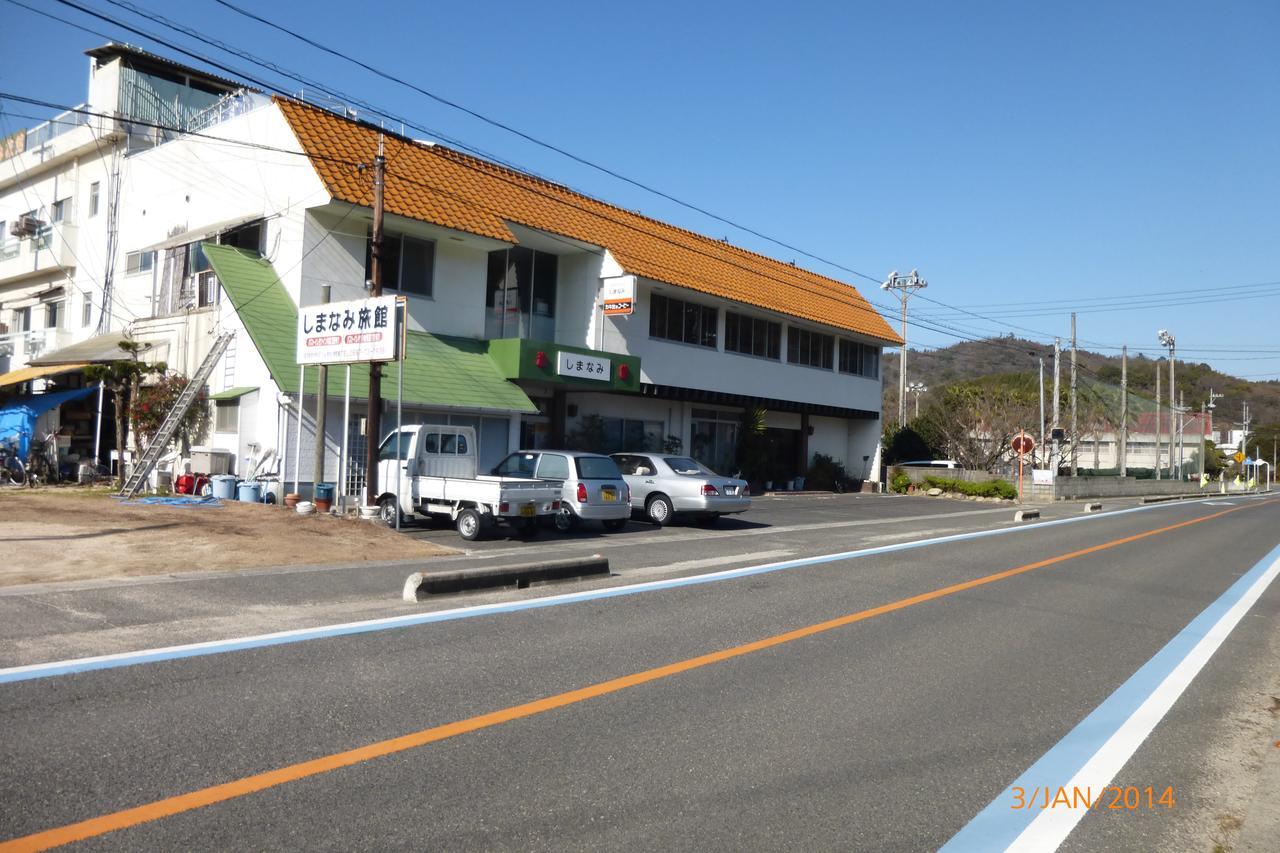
x: 439, y: 477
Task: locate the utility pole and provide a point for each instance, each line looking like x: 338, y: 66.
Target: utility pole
x: 1182, y: 428
x: 1123, y: 437
x: 1166, y: 338
x: 322, y: 406
x: 1075, y: 443
x: 373, y: 430
x: 1057, y: 360
x: 1159, y: 436
x: 1040, y: 446
x: 905, y: 285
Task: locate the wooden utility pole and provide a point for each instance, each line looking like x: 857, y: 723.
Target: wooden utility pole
x: 1056, y: 459
x: 373, y: 431
x: 1124, y: 411
x: 1075, y: 443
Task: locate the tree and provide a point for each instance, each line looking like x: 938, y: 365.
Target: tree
x: 977, y: 420
x: 122, y: 379
x: 149, y: 407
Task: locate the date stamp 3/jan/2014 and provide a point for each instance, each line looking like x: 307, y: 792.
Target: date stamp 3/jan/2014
x: 1112, y: 797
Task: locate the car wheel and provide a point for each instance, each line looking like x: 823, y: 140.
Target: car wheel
x: 469, y: 525
x: 613, y: 525
x: 565, y: 519
x: 387, y: 510
x: 659, y: 509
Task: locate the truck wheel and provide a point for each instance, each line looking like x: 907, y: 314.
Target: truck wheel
x: 469, y: 525
x: 387, y: 510
x: 613, y: 525
x: 659, y: 509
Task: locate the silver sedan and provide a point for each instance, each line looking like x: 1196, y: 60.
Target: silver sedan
x: 663, y: 486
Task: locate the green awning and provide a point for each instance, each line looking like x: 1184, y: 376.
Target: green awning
x: 234, y: 393
x: 440, y: 370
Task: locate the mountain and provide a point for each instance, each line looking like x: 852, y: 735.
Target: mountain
x: 973, y: 359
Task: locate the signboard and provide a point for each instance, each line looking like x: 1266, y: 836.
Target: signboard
x: 345, y: 332
x: 1239, y: 457
x: 1042, y: 476
x: 1023, y: 444
x: 619, y: 295
x: 13, y: 145
x: 583, y: 366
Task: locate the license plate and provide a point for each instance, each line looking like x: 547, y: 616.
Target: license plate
x: 528, y: 510
x: 608, y: 493
x: 730, y: 490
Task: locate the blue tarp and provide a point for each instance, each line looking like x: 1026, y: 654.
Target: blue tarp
x: 18, y: 416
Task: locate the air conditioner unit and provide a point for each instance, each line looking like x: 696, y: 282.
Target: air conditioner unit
x: 24, y: 226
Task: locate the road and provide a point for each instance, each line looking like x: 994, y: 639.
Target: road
x: 886, y: 699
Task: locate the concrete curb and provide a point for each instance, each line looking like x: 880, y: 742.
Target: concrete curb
x: 421, y: 584
x: 1156, y: 499
x: 1026, y: 515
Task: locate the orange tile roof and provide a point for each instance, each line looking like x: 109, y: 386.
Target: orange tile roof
x: 435, y: 184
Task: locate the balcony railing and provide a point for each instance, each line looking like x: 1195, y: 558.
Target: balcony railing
x: 21, y: 347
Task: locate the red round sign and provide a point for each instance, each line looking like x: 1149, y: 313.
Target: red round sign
x: 1023, y: 443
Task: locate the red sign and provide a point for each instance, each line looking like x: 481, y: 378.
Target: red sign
x: 1023, y: 444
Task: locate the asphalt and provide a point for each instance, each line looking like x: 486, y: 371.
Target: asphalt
x: 889, y: 733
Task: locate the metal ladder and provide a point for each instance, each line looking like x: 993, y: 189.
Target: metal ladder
x: 169, y: 426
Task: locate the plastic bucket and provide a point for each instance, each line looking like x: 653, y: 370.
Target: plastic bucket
x: 324, y: 492
x: 224, y: 486
x: 250, y: 492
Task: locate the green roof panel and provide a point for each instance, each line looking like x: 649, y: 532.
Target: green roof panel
x: 440, y: 370
x: 234, y: 393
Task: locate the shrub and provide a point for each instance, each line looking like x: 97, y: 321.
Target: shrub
x: 985, y: 489
x: 825, y: 473
x: 900, y: 482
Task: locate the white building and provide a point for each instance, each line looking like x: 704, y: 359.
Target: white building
x: 504, y: 275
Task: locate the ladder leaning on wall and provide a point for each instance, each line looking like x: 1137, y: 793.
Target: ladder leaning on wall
x: 169, y: 426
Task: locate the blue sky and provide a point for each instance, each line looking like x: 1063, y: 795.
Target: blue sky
x: 1094, y: 155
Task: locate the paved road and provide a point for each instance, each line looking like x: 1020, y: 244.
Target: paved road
x: 880, y: 701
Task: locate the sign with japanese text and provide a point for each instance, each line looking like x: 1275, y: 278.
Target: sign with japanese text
x: 345, y: 332
x: 583, y: 366
x: 619, y: 295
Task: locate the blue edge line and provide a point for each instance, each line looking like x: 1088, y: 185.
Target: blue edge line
x: 370, y: 626
x: 999, y: 824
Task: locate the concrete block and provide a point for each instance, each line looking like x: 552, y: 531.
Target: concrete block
x: 1026, y: 515
x: 421, y: 584
x: 1093, y: 507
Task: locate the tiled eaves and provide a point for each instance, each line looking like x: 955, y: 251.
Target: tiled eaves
x: 453, y: 190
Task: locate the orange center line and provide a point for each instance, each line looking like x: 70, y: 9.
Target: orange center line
x: 170, y: 806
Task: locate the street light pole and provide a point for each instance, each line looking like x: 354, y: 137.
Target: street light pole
x: 917, y: 388
x: 905, y: 285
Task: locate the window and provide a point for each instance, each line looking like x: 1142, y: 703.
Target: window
x: 715, y: 438
x: 597, y: 468
x: 811, y: 348
x: 245, y: 237
x: 553, y: 467
x: 452, y: 442
x: 408, y: 264
x: 53, y: 315
x: 638, y: 466
x: 517, y: 465
x: 678, y: 320
x: 86, y: 312
x: 520, y: 296
x: 393, y: 449
x: 685, y: 466
x: 628, y: 434
x: 860, y: 359
x: 93, y: 198
x: 60, y: 209
x: 752, y: 336
x: 8, y: 246
x: 431, y: 442
x: 139, y: 262
x: 226, y: 416
x: 22, y: 319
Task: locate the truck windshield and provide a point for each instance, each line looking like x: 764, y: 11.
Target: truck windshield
x: 392, y: 449
x: 597, y: 468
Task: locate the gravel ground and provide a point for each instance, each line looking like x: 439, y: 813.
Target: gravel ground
x: 71, y: 533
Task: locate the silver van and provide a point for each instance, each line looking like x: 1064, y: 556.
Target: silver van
x: 593, y: 487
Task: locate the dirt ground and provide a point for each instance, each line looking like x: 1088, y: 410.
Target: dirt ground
x: 74, y: 533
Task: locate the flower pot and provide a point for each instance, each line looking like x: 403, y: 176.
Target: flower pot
x: 291, y: 499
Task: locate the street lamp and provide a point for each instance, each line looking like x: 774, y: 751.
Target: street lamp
x: 905, y: 285
x: 917, y: 388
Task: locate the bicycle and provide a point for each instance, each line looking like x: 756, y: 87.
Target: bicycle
x: 12, y: 471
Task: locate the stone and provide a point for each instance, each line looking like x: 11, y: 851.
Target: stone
x: 933, y: 493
